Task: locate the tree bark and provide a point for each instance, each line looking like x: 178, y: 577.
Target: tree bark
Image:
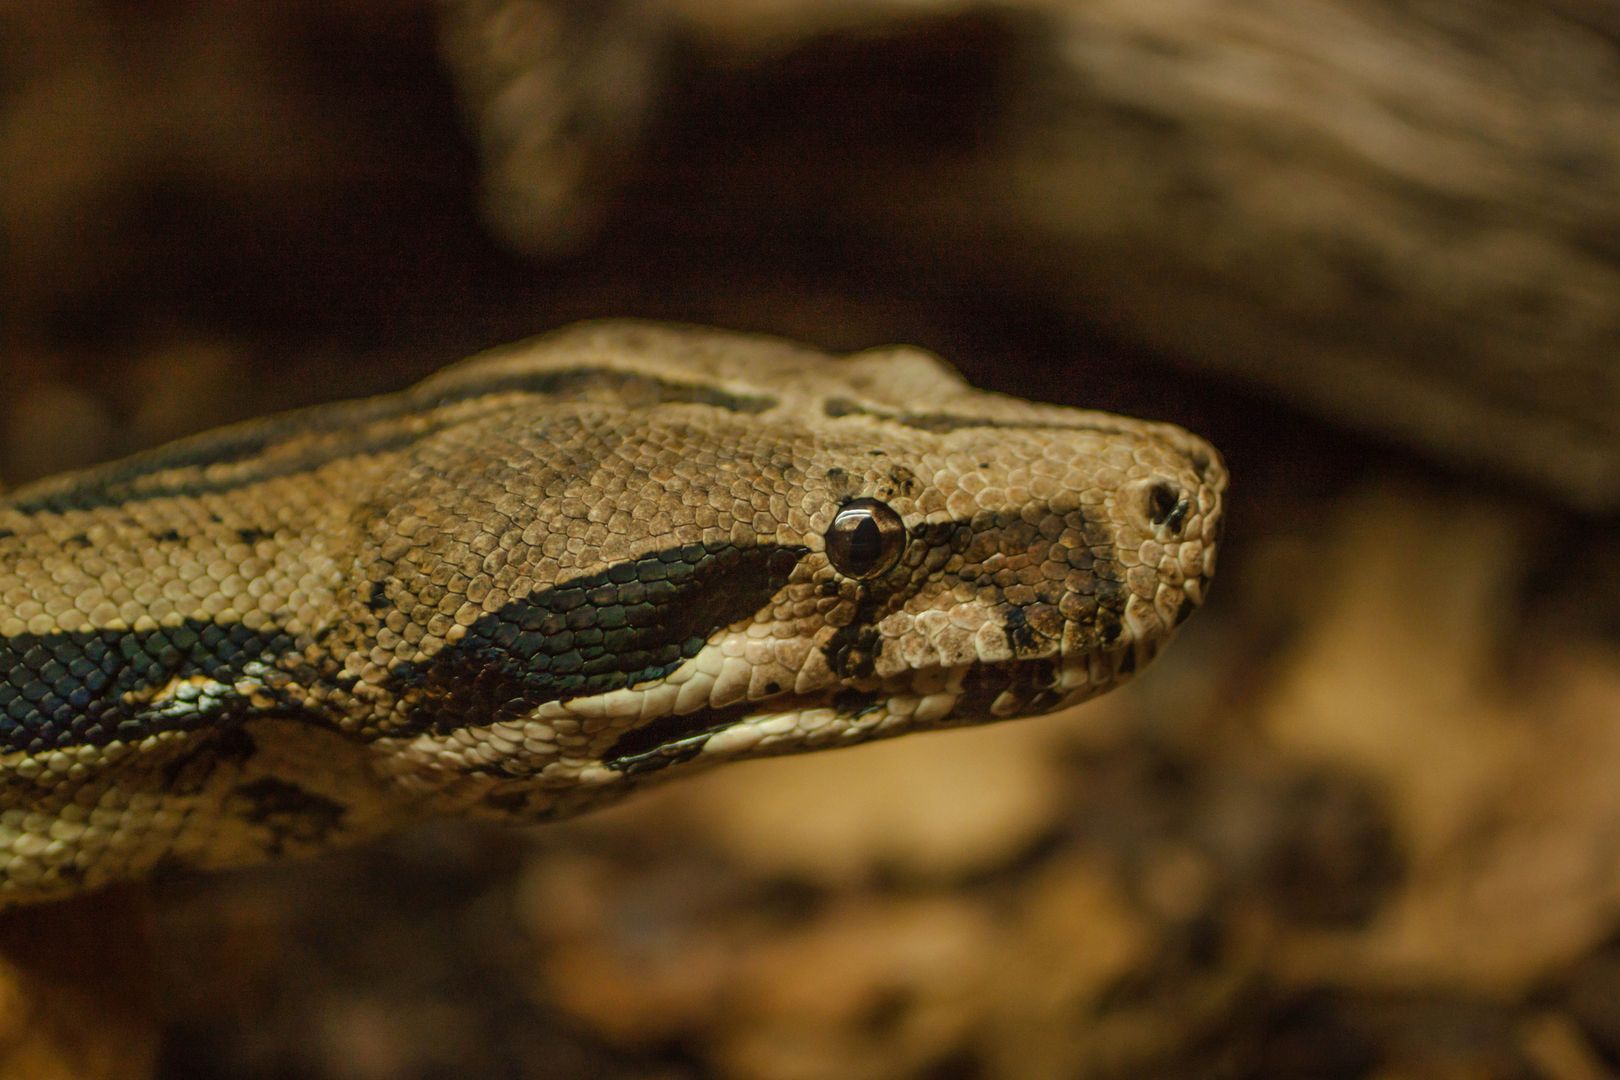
x: 1401, y: 215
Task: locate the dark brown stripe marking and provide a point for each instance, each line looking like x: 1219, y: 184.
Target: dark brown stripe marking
x: 671, y: 739
x: 94, y: 687
x: 631, y: 623
x: 944, y: 423
x: 141, y: 478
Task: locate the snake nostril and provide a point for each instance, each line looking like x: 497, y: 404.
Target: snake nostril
x: 1167, y: 506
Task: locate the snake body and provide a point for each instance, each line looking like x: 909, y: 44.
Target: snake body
x: 550, y: 573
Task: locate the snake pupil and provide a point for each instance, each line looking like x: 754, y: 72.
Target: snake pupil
x: 865, y: 539
x: 865, y: 543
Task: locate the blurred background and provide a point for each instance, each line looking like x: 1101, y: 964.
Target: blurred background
x: 1362, y: 820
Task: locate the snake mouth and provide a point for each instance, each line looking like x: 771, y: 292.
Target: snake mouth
x: 844, y: 713
x: 776, y: 725
x: 971, y: 694
x: 673, y: 738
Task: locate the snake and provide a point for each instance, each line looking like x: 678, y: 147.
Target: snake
x: 555, y: 572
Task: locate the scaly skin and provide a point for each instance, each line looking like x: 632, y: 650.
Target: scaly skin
x: 550, y: 573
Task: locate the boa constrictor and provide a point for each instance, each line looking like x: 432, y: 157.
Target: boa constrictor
x: 551, y: 572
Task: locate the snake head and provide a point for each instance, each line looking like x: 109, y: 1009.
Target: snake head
x: 551, y: 573
x: 711, y: 546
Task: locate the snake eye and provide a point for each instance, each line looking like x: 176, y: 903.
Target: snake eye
x: 865, y: 539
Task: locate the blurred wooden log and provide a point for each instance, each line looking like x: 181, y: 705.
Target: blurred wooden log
x: 1404, y: 216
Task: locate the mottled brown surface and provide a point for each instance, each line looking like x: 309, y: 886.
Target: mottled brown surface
x: 1359, y: 822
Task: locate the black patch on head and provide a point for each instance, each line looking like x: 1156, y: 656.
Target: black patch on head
x: 670, y: 739
x: 94, y: 687
x: 293, y: 816
x: 378, y: 600
x: 630, y: 623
